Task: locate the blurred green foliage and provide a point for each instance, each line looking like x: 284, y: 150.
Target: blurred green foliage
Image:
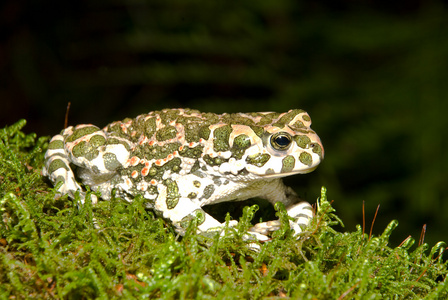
x: 372, y: 76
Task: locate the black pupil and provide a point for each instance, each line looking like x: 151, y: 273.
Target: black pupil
x: 282, y: 141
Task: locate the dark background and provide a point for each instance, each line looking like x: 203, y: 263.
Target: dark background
x: 372, y: 74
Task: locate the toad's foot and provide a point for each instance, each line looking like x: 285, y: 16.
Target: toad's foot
x: 302, y: 213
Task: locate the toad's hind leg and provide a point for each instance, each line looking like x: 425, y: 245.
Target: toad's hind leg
x: 57, y: 167
x: 96, y: 154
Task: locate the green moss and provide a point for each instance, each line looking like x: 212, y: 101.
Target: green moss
x: 51, y: 249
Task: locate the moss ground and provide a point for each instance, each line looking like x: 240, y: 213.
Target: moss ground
x: 50, y: 248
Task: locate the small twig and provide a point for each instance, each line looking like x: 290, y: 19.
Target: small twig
x: 404, y: 241
x: 423, y: 273
x: 422, y: 235
x: 348, y: 291
x: 66, y: 115
x: 373, y: 222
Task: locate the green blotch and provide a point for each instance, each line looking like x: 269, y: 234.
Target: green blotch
x: 97, y: 140
x: 210, y: 117
x: 89, y: 149
x: 192, y: 126
x: 265, y: 118
x: 306, y: 158
x: 213, y: 161
x: 288, y: 164
x: 168, y: 115
x: 196, y: 166
x: 237, y: 118
x: 257, y: 130
x: 166, y: 133
x: 80, y: 149
x: 317, y: 149
x: 192, y: 195
x: 152, y: 171
x: 156, y: 172
x: 306, y: 118
x: 173, y: 165
x: 197, y: 183
x: 57, y: 164
x: 204, y: 132
x: 58, y: 179
x: 258, y: 160
x: 172, y: 193
x: 298, y: 126
x: 115, y: 128
x: 242, y: 141
x: 221, y: 138
x: 194, y: 152
x: 111, y: 162
x: 302, y: 141
x: 150, y: 127
x: 198, y: 214
x: 77, y: 133
x: 58, y: 144
x: 287, y: 118
x: 208, y: 191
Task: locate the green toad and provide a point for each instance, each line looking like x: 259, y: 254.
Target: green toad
x: 181, y: 159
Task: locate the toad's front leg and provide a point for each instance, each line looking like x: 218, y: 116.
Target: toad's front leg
x: 300, y: 211
x: 181, y: 211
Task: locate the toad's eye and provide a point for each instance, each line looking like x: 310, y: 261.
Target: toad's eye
x: 281, y: 141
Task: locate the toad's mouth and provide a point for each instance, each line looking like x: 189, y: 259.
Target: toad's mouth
x: 274, y: 175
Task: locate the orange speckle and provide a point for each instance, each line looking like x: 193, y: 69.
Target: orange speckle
x: 181, y: 148
x: 145, y: 171
x: 134, y: 174
x: 153, y: 182
x: 151, y: 143
x: 123, y: 127
x: 158, y: 162
x: 134, y: 160
x: 201, y: 140
x: 147, y: 164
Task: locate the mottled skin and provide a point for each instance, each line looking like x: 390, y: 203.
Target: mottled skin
x: 182, y: 159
